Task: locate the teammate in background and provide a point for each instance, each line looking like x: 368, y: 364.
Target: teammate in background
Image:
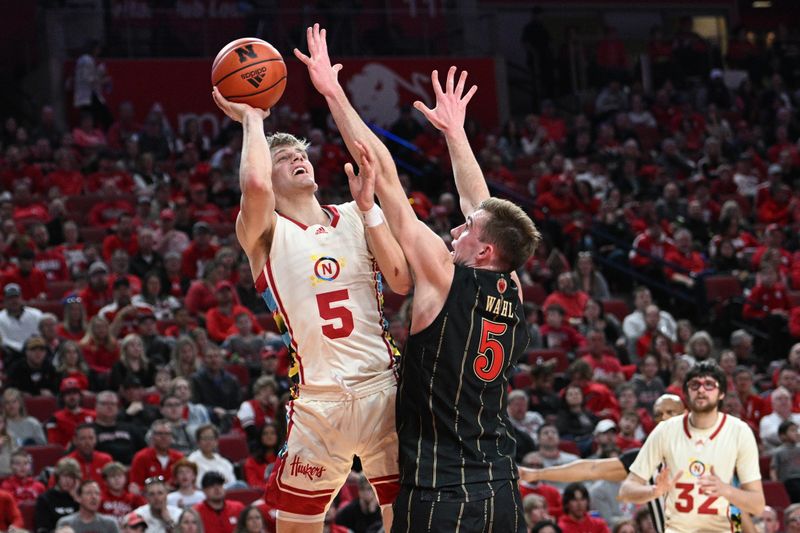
x: 316, y: 269
x: 613, y: 469
x: 468, y: 330
x: 700, y: 451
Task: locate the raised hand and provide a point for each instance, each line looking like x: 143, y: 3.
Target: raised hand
x: 324, y: 76
x: 664, y: 482
x: 362, y: 185
x: 451, y: 104
x: 235, y: 110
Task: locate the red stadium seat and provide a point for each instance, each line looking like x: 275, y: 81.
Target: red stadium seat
x: 266, y: 322
x: 569, y: 447
x: 57, y: 289
x: 776, y: 495
x: 393, y: 301
x: 240, y: 372
x: 50, y: 306
x: 521, y: 380
x: 92, y: 234
x: 764, y: 463
x: 44, y: 456
x: 534, y: 293
x: 41, y: 407
x: 233, y: 447
x: 246, y: 496
x: 28, y: 511
x: 618, y: 308
x: 560, y: 356
x: 719, y: 289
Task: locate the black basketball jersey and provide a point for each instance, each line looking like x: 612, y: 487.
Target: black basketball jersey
x: 451, y: 401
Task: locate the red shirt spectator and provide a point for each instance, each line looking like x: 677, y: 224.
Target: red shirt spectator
x: 92, y: 465
x: 23, y: 489
x: 199, y: 252
x: 254, y: 470
x: 200, y: 298
x: 767, y: 296
x: 217, y: 513
x: 10, y: 514
x: 587, y: 524
x: 109, y: 177
x: 571, y: 300
x: 124, y: 238
x: 66, y: 177
x: 33, y: 283
x: 120, y: 504
x: 794, y: 322
x: 97, y: 294
x: 145, y: 463
x: 200, y: 209
x: 649, y: 245
x: 220, y: 320
x: 551, y: 495
x: 61, y: 427
x: 106, y: 213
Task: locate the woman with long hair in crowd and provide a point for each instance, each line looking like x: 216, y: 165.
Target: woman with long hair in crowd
x: 7, y: 446
x: 250, y: 521
x: 73, y: 327
x: 164, y: 305
x: 132, y: 361
x: 100, y: 348
x: 185, y: 357
x: 588, y: 279
x: 263, y: 454
x: 189, y: 522
x: 25, y: 429
x: 595, y: 317
x: 574, y: 421
x: 71, y: 364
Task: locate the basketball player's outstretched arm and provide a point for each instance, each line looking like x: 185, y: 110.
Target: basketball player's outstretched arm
x: 256, y: 217
x: 448, y: 117
x: 324, y: 76
x: 610, y: 469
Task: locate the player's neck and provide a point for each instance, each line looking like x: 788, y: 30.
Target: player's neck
x: 703, y: 420
x: 303, y: 208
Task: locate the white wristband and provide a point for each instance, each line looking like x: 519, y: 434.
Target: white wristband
x: 373, y: 217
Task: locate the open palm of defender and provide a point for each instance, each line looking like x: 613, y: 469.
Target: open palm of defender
x: 324, y: 76
x: 451, y: 104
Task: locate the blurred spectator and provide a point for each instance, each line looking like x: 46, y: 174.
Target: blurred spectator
x: 603, y: 360
x: 87, y: 135
x: 152, y: 296
x: 90, y: 82
x: 214, y: 386
x: 31, y: 280
x: 115, y: 437
x: 69, y: 363
x: 58, y: 501
x: 221, y: 319
x: 185, y: 357
x: 200, y: 209
x: 363, y: 513
x: 253, y: 414
x: 785, y: 459
x: 647, y: 384
x: 33, y: 374
x: 153, y: 138
x: 170, y: 239
x: 781, y: 411
x: 159, y: 516
x: 200, y: 251
x: 588, y: 279
x: 202, y: 292
x: 183, y: 434
x: 92, y: 461
x: 245, y: 290
x: 263, y: 453
x: 124, y: 128
x: 520, y: 417
x: 558, y: 335
x: 753, y: 406
x: 132, y: 362
x: 24, y: 430
x: 97, y: 293
x: 543, y: 398
x: 599, y: 399
x: 175, y: 284
x: 100, y: 348
x: 10, y: 515
x: 216, y: 512
x: 187, y: 493
x: 61, y: 427
x: 21, y: 485
x: 17, y: 321
x: 574, y: 421
x: 155, y: 461
x: 117, y: 501
x: 120, y: 269
x: 633, y: 326
x: 207, y: 459
x: 571, y: 300
x: 105, y: 213
x: 124, y: 238
x: 576, y: 517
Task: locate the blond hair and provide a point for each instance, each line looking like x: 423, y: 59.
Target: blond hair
x: 511, y: 230
x: 276, y: 140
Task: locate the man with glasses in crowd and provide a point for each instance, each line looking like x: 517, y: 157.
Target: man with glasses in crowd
x: 159, y: 517
x: 156, y: 460
x: 118, y: 439
x: 701, y: 450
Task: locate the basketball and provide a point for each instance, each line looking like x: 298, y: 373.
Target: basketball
x: 250, y: 71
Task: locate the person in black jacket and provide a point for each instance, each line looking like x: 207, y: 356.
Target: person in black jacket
x: 58, y: 501
x: 214, y: 387
x: 34, y: 374
x: 574, y: 421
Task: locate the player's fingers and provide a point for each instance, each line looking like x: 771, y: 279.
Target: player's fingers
x: 302, y: 57
x: 470, y: 94
x: 323, y: 40
x: 422, y: 108
x: 437, y: 87
x: 451, y: 75
x: 462, y: 79
x: 337, y: 67
x: 312, y: 46
x: 348, y: 169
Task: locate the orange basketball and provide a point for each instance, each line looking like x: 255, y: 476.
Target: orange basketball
x: 250, y: 71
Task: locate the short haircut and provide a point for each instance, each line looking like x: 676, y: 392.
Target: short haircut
x: 19, y: 452
x: 277, y: 140
x: 85, y: 483
x: 183, y: 462
x: 741, y: 369
x: 206, y: 427
x: 511, y: 230
x: 113, y: 468
x: 264, y: 382
x: 571, y: 490
x: 555, y: 308
x: 85, y: 425
x: 785, y: 426
x: 543, y: 427
x: 709, y: 368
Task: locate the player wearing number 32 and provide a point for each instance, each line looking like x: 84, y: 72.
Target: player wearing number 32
x: 457, y: 471
x: 315, y: 267
x: 701, y: 451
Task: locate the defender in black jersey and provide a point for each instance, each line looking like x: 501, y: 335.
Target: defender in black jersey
x: 457, y: 471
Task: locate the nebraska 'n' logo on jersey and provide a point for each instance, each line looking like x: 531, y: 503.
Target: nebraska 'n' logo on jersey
x: 326, y: 269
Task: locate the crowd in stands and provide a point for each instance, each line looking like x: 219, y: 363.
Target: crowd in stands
x: 130, y: 313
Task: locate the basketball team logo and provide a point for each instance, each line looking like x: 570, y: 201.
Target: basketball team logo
x: 327, y: 268
x: 697, y: 468
x: 502, y: 285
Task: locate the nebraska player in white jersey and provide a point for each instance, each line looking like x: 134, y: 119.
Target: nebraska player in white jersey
x: 319, y: 270
x: 704, y: 448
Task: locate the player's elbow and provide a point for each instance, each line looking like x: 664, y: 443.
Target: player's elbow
x: 401, y: 283
x: 253, y: 184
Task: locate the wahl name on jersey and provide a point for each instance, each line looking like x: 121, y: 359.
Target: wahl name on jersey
x: 499, y: 306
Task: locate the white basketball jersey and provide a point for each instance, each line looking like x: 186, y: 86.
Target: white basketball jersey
x: 729, y: 446
x: 325, y: 291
